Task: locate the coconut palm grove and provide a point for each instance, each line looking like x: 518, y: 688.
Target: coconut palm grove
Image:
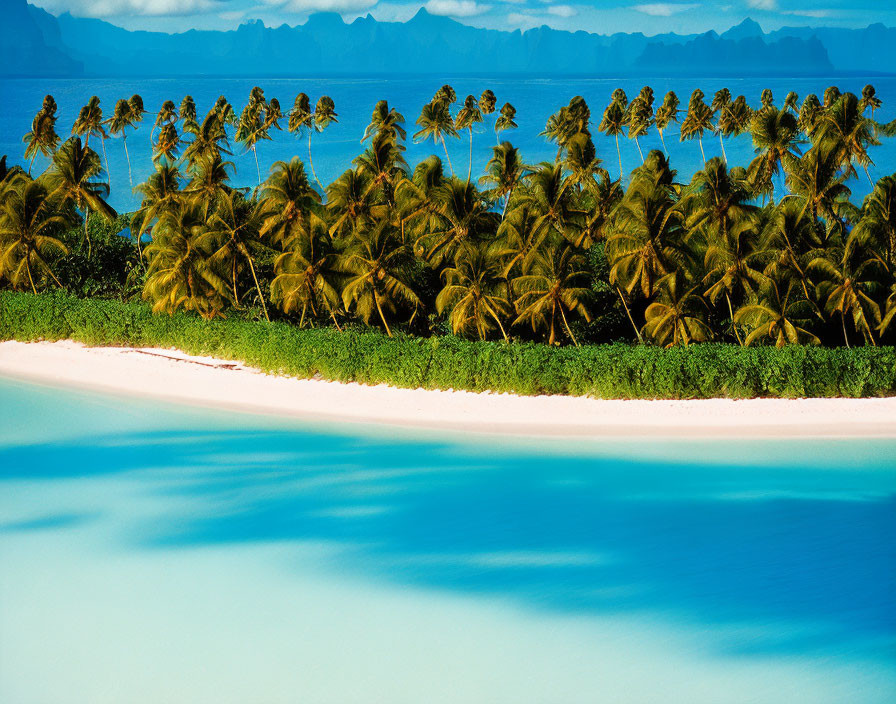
x: 568, y: 252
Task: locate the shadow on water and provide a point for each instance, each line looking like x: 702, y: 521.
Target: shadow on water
x: 811, y: 552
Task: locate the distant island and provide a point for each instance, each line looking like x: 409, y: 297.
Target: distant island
x: 66, y: 46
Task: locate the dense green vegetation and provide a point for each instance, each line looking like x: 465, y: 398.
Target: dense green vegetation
x: 369, y: 356
x: 770, y: 253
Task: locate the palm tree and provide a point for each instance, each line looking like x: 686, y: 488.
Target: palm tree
x: 235, y: 226
x: 209, y: 139
x: 810, y: 115
x: 435, y: 122
x: 844, y: 126
x: 160, y: 193
x: 640, y: 116
x: 697, y: 120
x: 385, y: 121
x: 719, y: 210
x: 818, y: 184
x: 29, y: 223
x: 505, y: 120
x: 305, y: 274
x: 121, y: 119
x: 383, y: 160
x: 324, y: 116
x: 168, y: 144
x: 780, y: 319
x: 251, y: 130
x: 71, y: 180
x: 376, y: 264
x: 467, y: 116
x: 791, y: 103
x: 460, y: 214
x: 847, y: 290
x: 675, y: 317
x: 831, y: 95
x: 876, y: 229
x: 42, y: 138
x: 666, y: 114
x: 287, y: 202
x: 721, y: 102
x: 472, y: 293
x: 187, y: 110
x: 180, y: 273
x: 734, y: 119
x: 869, y: 100
x: 503, y: 172
x: 167, y: 114
x: 90, y: 123
x: 612, y: 124
x: 766, y: 100
x: 775, y: 138
x: 487, y: 102
x: 553, y: 290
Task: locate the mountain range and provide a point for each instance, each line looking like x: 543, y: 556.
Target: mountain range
x: 40, y: 44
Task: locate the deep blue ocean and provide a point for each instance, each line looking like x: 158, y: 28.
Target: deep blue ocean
x: 535, y: 100
x: 151, y: 552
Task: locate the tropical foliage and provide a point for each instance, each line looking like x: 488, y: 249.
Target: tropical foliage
x: 767, y: 253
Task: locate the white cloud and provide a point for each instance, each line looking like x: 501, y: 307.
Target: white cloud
x: 809, y: 13
x: 305, y: 7
x: 456, y: 8
x: 562, y: 10
x: 763, y: 4
x: 664, y: 9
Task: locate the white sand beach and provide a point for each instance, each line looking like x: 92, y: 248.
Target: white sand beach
x: 174, y: 376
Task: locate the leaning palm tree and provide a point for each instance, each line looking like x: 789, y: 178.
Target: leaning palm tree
x: 435, y: 122
x: 503, y: 173
x: 677, y: 316
x: 791, y: 103
x: 810, y: 115
x: 160, y: 193
x: 876, y: 229
x: 29, y: 225
x: 121, y: 119
x: 72, y: 179
x: 869, y: 100
x: 553, y: 290
x: 209, y: 139
x: 640, y: 117
x: 42, y: 139
x: 505, y: 121
x: 721, y: 102
x: 168, y: 145
x: 666, y: 114
x: 487, y: 102
x: 697, y: 120
x: 167, y: 114
x: 467, y: 116
x: 734, y: 119
x: 847, y: 290
x: 324, y: 116
x: 473, y: 295
x: 187, y: 110
x: 251, y: 130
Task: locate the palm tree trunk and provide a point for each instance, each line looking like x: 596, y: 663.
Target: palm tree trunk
x: 553, y: 335
x: 128, y: 157
x: 703, y: 153
x: 257, y: 167
x: 619, y: 154
x: 722, y: 144
x: 843, y: 323
x: 264, y: 306
x: 566, y: 324
x: 629, y: 314
x: 445, y: 147
x: 470, y: 172
x: 733, y: 324
x: 497, y: 136
x: 236, y: 295
x: 639, y: 149
x: 663, y: 140
x: 864, y: 166
x: 28, y: 269
x: 311, y: 162
x: 376, y: 299
x: 86, y: 233
x: 106, y: 159
x: 33, y: 157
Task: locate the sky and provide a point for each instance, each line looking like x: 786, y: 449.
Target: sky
x: 601, y: 16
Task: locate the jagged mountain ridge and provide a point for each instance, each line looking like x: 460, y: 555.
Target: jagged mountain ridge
x: 429, y: 44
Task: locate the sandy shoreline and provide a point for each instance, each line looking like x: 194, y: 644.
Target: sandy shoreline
x: 174, y: 376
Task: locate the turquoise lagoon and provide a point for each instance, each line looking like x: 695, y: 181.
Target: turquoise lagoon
x: 151, y: 552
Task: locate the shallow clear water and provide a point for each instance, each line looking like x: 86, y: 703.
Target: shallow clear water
x: 535, y: 100
x: 152, y: 552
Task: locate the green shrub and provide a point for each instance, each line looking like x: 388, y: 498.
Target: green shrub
x: 369, y: 357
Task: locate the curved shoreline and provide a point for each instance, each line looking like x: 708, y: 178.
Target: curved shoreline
x: 174, y: 376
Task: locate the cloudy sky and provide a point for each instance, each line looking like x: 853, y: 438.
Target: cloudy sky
x: 603, y: 16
